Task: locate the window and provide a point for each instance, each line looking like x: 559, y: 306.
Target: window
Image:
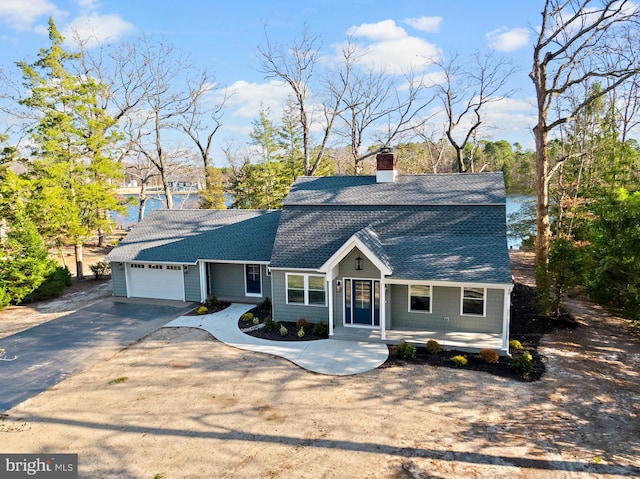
x: 155, y: 266
x: 174, y: 267
x: 473, y: 301
x: 137, y: 265
x: 306, y: 289
x: 420, y: 298
x: 253, y: 280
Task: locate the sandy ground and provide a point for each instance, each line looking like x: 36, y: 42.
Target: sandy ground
x: 192, y: 407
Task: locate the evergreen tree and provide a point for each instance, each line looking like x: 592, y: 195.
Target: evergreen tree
x: 72, y: 173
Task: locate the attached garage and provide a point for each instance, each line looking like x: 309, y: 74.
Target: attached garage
x: 158, y: 281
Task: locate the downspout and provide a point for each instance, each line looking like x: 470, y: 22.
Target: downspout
x: 506, y: 319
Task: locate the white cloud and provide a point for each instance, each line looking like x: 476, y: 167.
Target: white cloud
x: 88, y: 4
x: 388, y: 46
x: 96, y: 28
x: 21, y: 14
x: 508, y: 40
x: 425, y: 24
x: 381, y: 31
x: 245, y: 98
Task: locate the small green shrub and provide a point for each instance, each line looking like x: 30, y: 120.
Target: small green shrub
x: 433, y: 346
x: 406, y: 350
x: 320, y: 329
x: 265, y: 305
x: 213, y: 301
x: 247, y: 317
x: 255, y: 321
x: 5, y: 299
x: 303, y: 323
x: 523, y: 364
x: 269, y: 324
x: 459, y: 360
x: 283, y: 330
x: 203, y: 310
x: 301, y: 333
x: 489, y: 356
x: 119, y: 380
x: 101, y: 269
x: 515, y: 344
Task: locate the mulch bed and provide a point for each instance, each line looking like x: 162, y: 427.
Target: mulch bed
x: 210, y: 309
x: 526, y: 326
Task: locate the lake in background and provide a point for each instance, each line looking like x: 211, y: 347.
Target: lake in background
x: 156, y: 202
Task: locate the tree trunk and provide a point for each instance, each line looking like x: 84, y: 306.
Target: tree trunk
x: 167, y: 192
x: 79, y: 265
x: 142, y: 198
x: 101, y: 238
x: 543, y: 225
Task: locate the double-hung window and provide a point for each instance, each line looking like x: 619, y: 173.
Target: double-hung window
x: 473, y: 301
x: 420, y: 298
x: 307, y: 289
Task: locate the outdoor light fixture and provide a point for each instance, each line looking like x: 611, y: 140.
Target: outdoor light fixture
x: 358, y: 263
x: 339, y: 285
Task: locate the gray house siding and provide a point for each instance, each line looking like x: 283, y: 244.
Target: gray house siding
x: 445, y: 302
x: 192, y: 284
x: 118, y: 280
x: 292, y: 312
x: 226, y: 282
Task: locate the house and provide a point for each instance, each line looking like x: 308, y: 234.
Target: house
x: 384, y: 257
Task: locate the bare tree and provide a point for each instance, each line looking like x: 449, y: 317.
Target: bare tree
x: 467, y: 88
x: 374, y: 104
x: 295, y: 66
x: 579, y: 42
x: 157, y: 67
x: 201, y: 122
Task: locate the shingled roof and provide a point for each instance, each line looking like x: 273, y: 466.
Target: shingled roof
x: 185, y: 236
x: 428, y: 227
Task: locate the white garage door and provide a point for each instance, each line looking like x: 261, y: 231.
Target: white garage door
x: 159, y: 281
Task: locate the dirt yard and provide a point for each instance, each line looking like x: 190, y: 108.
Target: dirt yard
x: 191, y: 407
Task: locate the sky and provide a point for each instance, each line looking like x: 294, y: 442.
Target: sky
x: 223, y: 36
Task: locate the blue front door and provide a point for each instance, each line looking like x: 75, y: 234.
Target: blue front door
x: 253, y: 279
x: 361, y: 301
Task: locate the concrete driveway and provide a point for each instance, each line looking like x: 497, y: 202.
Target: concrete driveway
x: 52, y: 351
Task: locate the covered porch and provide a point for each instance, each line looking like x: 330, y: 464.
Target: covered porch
x: 470, y: 342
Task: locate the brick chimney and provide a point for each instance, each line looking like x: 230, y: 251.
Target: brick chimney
x: 386, y: 165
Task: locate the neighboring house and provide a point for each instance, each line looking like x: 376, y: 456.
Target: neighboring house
x: 384, y: 257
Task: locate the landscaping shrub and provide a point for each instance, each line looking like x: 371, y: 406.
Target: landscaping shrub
x: 490, y: 356
x: 406, y: 350
x: 213, y: 301
x: 255, y: 321
x: 303, y: 323
x: 459, y: 360
x: 515, y: 344
x: 320, y: 329
x: 52, y: 287
x: 203, y: 310
x: 265, y: 305
x: 283, y: 330
x: 269, y: 324
x: 5, y: 299
x: 523, y: 364
x: 301, y: 333
x: 101, y: 269
x: 247, y: 317
x: 433, y: 346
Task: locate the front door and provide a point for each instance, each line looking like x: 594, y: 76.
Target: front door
x: 253, y: 279
x: 362, y: 302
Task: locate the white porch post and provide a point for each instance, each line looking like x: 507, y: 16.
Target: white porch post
x: 506, y: 318
x: 203, y: 281
x: 383, y: 309
x: 330, y: 289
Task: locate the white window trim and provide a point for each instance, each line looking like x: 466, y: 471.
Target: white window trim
x: 306, y: 289
x: 484, y: 302
x: 409, y: 299
x: 244, y: 273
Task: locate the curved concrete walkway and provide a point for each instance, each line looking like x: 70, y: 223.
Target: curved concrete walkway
x: 327, y: 356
